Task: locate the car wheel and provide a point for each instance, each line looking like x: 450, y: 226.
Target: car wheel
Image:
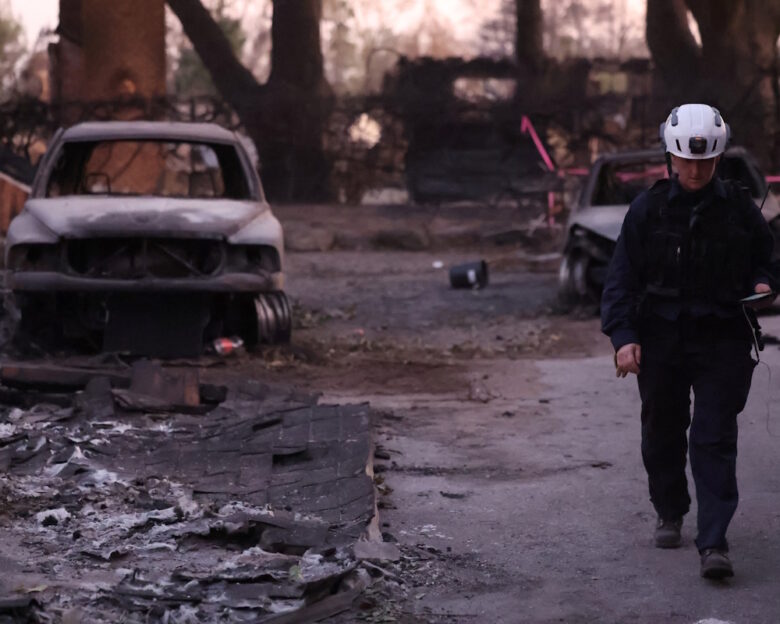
x: 274, y: 318
x: 574, y: 287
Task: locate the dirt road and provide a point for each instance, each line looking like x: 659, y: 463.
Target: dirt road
x: 512, y: 477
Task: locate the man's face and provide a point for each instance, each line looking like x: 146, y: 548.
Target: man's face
x: 694, y: 174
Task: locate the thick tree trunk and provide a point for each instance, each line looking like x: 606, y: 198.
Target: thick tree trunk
x: 736, y: 67
x: 529, y: 48
x: 285, y: 117
x: 294, y: 164
x: 675, y: 52
x: 296, y: 56
x: 739, y: 45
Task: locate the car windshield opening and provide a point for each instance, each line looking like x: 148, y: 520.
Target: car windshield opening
x: 158, y: 168
x: 620, y: 183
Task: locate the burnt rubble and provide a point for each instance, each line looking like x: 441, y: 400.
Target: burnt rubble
x: 141, y: 502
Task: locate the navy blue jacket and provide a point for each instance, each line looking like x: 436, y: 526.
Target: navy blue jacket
x: 624, y: 286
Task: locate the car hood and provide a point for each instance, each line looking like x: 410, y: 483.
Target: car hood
x: 605, y: 221
x: 78, y: 217
x: 771, y: 207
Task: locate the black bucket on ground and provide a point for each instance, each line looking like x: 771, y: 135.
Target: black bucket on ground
x: 470, y: 275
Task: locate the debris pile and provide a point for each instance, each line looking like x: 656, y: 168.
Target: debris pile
x: 145, y: 503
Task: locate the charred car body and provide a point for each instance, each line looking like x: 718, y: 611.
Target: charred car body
x: 612, y: 184
x: 148, y: 237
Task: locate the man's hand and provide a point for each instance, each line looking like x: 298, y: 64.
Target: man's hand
x: 627, y: 359
x: 764, y: 303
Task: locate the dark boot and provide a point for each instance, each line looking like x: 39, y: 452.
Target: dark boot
x: 715, y: 564
x: 667, y: 533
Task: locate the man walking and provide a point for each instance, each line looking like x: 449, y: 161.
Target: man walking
x: 690, y: 248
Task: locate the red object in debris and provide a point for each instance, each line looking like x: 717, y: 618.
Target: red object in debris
x: 527, y: 127
x: 227, y: 346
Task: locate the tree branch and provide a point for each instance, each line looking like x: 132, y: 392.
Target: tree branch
x: 234, y: 81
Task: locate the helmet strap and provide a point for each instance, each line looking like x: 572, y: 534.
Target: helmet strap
x: 669, y: 164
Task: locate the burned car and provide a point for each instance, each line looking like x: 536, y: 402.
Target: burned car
x: 150, y: 238
x: 612, y: 184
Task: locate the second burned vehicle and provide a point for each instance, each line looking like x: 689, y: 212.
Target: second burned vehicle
x: 147, y: 237
x: 612, y: 184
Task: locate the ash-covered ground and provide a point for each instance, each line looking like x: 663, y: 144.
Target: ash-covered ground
x: 504, y: 456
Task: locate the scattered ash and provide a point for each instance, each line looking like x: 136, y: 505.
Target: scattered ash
x: 249, y: 512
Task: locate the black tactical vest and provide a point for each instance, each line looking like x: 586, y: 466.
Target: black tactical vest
x: 702, y: 254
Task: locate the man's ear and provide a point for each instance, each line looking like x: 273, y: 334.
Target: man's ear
x: 715, y: 168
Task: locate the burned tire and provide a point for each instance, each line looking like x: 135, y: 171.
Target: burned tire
x: 575, y: 288
x: 274, y: 318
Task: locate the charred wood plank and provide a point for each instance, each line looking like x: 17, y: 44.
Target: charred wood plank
x: 45, y: 377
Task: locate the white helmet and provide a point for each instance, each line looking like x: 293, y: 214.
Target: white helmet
x: 695, y: 131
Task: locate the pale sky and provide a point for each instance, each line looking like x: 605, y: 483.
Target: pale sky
x: 37, y: 14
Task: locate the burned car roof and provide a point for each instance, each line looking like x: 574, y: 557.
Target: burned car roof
x: 601, y: 206
x: 162, y: 132
x: 112, y: 130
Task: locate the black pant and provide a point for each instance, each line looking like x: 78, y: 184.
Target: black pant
x: 712, y: 357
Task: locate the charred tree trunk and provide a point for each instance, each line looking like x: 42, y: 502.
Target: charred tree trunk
x: 735, y: 68
x: 739, y: 45
x: 296, y: 56
x: 285, y: 117
x: 675, y: 52
x: 529, y: 48
x: 295, y: 166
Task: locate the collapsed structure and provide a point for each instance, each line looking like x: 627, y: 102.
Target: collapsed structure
x: 152, y: 494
